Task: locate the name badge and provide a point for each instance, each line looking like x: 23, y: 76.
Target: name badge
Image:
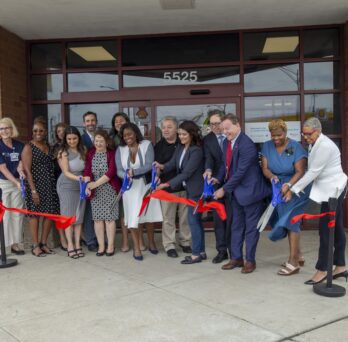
x: 14, y: 156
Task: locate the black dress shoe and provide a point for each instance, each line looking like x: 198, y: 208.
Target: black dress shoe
x: 189, y: 260
x: 92, y: 248
x: 312, y: 282
x: 172, y: 253
x: 186, y: 249
x: 99, y: 254
x: 220, y: 257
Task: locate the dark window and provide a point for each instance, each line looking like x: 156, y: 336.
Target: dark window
x: 46, y: 57
x: 92, y: 54
x: 264, y: 78
x: 52, y: 114
x: 46, y: 87
x: 180, y: 50
x: 168, y: 77
x: 326, y: 107
x: 322, y: 43
x: 271, y: 45
x: 322, y: 75
x: 92, y: 81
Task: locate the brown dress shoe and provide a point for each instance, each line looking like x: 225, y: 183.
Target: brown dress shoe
x: 248, y: 267
x: 233, y: 264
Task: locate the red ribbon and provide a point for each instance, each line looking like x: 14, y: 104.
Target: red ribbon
x: 331, y: 223
x: 166, y: 196
x: 61, y: 222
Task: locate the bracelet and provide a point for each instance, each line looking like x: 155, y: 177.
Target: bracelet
x: 289, y: 185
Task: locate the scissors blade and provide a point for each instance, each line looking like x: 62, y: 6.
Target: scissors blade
x: 197, y: 205
x: 118, y: 197
x: 265, y: 217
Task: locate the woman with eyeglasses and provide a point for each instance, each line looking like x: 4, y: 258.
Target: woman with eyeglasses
x: 284, y: 160
x: 329, y: 181
x: 10, y: 171
x: 41, y: 194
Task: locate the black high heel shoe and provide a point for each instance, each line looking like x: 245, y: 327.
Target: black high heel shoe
x: 312, y: 282
x: 341, y: 274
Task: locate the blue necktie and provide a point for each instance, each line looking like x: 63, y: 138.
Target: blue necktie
x: 221, y: 139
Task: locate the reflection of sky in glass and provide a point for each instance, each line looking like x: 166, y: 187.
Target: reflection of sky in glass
x: 92, y: 82
x: 197, y: 113
x: 158, y: 79
x: 270, y: 107
x: 105, y: 112
x: 319, y: 75
x: 47, y: 87
x: 277, y: 78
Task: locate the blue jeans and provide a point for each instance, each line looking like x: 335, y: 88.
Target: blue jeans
x: 197, y: 232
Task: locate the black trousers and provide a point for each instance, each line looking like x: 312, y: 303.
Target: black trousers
x: 221, y: 228
x: 340, y: 237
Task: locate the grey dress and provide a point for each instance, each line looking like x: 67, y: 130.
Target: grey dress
x: 69, y: 190
x: 104, y: 205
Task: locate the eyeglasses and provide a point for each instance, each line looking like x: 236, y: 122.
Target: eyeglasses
x: 307, y: 134
x: 215, y: 124
x: 38, y: 130
x: 5, y: 128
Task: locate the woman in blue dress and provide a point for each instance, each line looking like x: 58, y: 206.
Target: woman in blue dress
x: 284, y: 160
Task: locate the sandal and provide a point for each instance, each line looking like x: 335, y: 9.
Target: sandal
x: 301, y: 262
x: 40, y: 254
x: 79, y: 252
x: 289, y: 270
x: 73, y: 256
x: 46, y: 249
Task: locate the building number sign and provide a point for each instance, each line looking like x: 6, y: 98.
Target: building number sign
x: 190, y: 76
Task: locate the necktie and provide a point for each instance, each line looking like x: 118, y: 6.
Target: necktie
x: 228, y: 159
x: 221, y: 139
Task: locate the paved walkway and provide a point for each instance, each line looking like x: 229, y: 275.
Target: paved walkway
x: 57, y: 299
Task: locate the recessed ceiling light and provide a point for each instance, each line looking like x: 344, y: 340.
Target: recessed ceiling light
x: 93, y: 53
x: 280, y: 44
x: 177, y: 4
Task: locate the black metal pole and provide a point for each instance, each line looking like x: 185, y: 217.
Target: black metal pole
x: 4, y: 261
x: 328, y: 289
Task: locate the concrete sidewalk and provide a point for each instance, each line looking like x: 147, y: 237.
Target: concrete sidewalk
x: 99, y: 299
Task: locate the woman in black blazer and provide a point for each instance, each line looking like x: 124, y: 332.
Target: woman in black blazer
x: 188, y: 163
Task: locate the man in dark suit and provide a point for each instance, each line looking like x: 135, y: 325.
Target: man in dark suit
x: 90, y: 121
x: 243, y: 179
x: 213, y: 158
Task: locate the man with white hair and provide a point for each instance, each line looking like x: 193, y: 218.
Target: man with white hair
x: 164, y: 150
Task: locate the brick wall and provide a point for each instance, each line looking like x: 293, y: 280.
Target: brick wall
x: 13, y: 80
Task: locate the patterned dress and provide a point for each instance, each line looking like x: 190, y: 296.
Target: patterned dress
x: 42, y: 169
x: 104, y: 205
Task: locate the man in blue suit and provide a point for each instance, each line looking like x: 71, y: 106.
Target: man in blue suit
x: 213, y: 158
x: 90, y: 122
x: 241, y: 177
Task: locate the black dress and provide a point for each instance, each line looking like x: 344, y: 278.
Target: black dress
x: 42, y: 169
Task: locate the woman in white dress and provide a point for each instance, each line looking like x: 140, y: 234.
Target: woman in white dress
x: 135, y: 156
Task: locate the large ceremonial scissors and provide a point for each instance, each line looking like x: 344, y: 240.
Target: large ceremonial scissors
x: 208, y: 192
x: 277, y: 198
x: 126, y: 185
x: 154, y: 183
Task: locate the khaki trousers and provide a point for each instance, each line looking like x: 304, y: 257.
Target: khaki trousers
x: 168, y: 226
x: 13, y: 222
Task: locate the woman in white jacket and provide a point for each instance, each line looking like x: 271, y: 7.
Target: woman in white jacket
x: 329, y: 181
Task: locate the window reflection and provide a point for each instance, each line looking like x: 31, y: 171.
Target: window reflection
x: 271, y: 45
x: 263, y: 78
x: 52, y: 114
x: 326, y: 107
x: 46, y: 87
x: 169, y: 77
x: 141, y: 116
x: 322, y: 75
x: 322, y: 43
x: 92, y: 81
x: 92, y: 54
x: 260, y: 110
x: 105, y: 112
x: 46, y: 56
